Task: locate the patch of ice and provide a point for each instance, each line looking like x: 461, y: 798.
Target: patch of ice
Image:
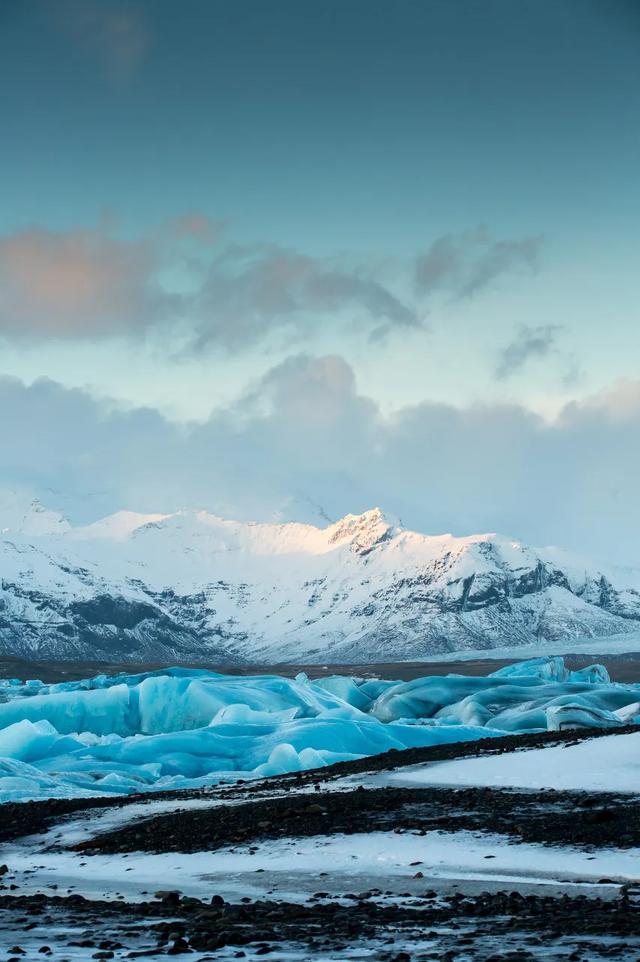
x: 290, y: 866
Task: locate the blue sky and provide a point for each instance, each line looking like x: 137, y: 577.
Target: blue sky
x: 443, y: 195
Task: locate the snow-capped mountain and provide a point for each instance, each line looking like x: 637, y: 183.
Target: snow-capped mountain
x: 194, y: 587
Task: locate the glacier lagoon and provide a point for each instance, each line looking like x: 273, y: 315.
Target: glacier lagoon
x: 186, y: 728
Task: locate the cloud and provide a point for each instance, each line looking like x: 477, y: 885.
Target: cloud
x: 251, y: 292
x: 528, y: 343
x: 304, y: 434
x: 464, y: 264
x: 619, y: 404
x: 86, y: 283
x: 80, y: 283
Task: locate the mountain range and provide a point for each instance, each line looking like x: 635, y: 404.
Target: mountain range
x: 193, y: 587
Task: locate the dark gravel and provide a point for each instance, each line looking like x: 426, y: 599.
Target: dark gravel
x: 500, y: 926
x: 564, y: 818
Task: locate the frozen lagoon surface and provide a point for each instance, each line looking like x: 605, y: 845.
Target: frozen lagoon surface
x: 184, y: 728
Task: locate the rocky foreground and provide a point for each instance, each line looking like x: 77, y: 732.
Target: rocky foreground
x: 332, y: 864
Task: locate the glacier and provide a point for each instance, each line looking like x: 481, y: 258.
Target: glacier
x: 186, y: 728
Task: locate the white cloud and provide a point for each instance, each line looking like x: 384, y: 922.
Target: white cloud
x: 304, y: 433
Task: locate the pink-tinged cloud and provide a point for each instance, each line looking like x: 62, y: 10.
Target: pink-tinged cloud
x: 619, y: 403
x: 77, y: 284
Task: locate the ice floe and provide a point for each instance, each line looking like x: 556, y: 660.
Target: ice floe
x: 181, y: 728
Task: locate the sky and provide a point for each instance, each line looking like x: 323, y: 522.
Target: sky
x: 289, y: 260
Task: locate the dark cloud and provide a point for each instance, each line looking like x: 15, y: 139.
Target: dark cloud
x: 529, y: 343
x: 464, y: 264
x: 251, y: 292
x: 304, y: 433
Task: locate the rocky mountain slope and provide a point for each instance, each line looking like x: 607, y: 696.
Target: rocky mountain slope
x: 194, y: 587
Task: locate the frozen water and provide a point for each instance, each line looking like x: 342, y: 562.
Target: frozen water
x: 179, y: 728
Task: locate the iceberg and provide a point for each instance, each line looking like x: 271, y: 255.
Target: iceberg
x: 186, y: 728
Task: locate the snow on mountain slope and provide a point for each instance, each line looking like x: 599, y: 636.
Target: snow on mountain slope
x: 194, y: 587
x: 117, y: 526
x: 24, y: 515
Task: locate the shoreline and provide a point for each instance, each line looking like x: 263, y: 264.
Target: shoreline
x: 623, y: 666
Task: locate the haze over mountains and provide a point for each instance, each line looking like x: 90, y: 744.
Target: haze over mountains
x: 193, y: 587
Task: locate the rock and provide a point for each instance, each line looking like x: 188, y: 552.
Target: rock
x: 170, y: 896
x: 178, y: 947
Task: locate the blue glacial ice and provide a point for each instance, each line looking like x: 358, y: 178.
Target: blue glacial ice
x: 183, y: 728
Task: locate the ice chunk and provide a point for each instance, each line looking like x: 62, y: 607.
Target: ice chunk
x: 243, y: 715
x: 347, y: 689
x: 560, y: 717
x: 629, y: 713
x: 25, y: 740
x: 100, y: 711
x: 554, y: 669
x: 547, y: 669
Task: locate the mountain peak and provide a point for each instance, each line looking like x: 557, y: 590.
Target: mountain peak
x: 362, y: 531
x: 20, y: 513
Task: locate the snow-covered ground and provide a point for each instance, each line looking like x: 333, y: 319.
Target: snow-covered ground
x: 608, y: 764
x: 294, y: 868
x: 291, y: 869
x: 182, y: 728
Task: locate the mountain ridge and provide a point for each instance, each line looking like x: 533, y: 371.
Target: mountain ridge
x: 190, y: 586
